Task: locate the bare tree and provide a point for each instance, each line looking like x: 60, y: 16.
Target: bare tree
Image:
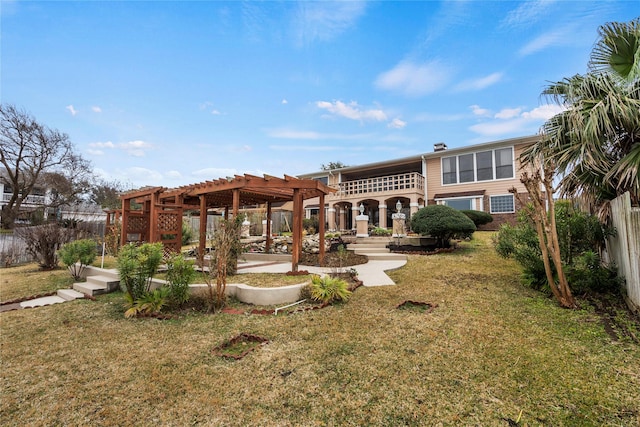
x: 35, y: 155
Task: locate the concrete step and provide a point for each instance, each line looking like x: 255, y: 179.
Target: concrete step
x: 385, y: 257
x: 353, y: 246
x: 39, y: 302
x: 110, y: 282
x: 91, y: 288
x: 365, y: 251
x: 69, y: 294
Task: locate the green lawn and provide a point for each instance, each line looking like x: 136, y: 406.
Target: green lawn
x: 491, y: 352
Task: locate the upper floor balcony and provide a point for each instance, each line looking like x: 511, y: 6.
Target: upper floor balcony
x: 404, y: 183
x: 30, y: 200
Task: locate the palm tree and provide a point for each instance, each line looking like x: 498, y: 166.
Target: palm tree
x: 594, y: 145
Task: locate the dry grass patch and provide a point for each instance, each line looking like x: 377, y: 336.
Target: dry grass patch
x: 28, y: 279
x: 490, y: 351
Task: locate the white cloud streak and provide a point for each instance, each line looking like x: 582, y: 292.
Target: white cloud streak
x: 72, y: 110
x: 479, y: 83
x: 413, y: 79
x: 352, y: 111
x: 324, y: 21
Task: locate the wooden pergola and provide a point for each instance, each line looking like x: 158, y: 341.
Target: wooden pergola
x: 160, y: 219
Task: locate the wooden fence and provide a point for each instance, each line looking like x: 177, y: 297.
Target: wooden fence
x: 624, y: 247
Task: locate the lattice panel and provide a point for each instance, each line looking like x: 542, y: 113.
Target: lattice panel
x: 137, y: 224
x: 168, y: 222
x: 173, y: 247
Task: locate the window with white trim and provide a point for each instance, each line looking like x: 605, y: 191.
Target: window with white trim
x: 459, y: 204
x: 501, y: 204
x: 485, y: 165
x: 449, y: 172
x: 465, y: 163
x: 504, y: 163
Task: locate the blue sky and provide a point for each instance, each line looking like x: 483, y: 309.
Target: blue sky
x: 173, y: 93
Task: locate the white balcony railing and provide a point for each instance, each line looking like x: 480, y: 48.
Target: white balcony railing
x: 30, y: 200
x: 392, y: 183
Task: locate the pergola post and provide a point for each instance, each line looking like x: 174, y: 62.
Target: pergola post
x: 202, y: 239
x: 297, y: 229
x: 126, y: 207
x: 236, y: 202
x: 153, y: 219
x: 321, y: 229
x: 267, y: 244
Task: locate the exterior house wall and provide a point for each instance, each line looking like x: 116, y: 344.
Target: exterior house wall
x: 380, y: 199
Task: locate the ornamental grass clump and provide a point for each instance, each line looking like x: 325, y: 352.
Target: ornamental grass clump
x: 328, y: 289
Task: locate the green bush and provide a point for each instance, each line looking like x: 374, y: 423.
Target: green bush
x: 77, y: 255
x: 442, y: 223
x: 180, y: 273
x: 379, y: 231
x: 329, y: 289
x: 136, y: 267
x: 580, y: 235
x: 311, y: 225
x: 478, y: 217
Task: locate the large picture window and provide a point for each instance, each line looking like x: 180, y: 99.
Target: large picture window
x: 460, y: 204
x: 481, y: 166
x: 502, y: 204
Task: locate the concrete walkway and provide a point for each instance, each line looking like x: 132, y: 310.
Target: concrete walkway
x: 372, y: 273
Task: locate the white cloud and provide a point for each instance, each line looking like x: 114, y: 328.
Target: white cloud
x: 543, y: 41
x: 215, y: 112
x: 526, y: 13
x: 95, y: 152
x: 72, y: 110
x: 413, y: 79
x: 544, y: 112
x: 508, y: 113
x: 397, y: 124
x: 284, y: 101
x: 142, y: 175
x: 498, y: 128
x: 352, y: 111
x: 107, y: 144
x: 96, y: 109
x: 479, y: 83
x: 323, y: 21
x: 134, y: 148
x: 478, y: 111
x: 173, y: 174
x: 516, y: 121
